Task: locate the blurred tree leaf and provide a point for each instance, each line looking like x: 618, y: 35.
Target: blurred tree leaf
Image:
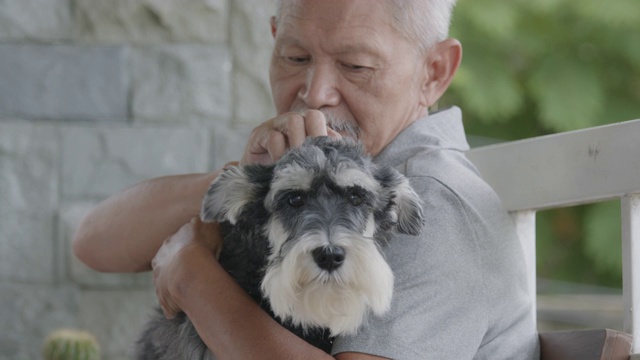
x: 533, y: 68
x: 568, y: 248
x: 603, y: 237
x: 548, y: 65
x: 619, y: 13
x: 492, y: 18
x: 569, y: 94
x: 488, y: 90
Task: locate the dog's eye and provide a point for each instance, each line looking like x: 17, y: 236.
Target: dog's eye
x: 355, y: 198
x: 296, y: 200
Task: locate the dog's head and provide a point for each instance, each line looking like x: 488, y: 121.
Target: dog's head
x: 395, y: 205
x: 329, y: 207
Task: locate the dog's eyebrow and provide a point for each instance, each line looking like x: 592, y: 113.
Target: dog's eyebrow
x: 347, y: 175
x: 291, y: 177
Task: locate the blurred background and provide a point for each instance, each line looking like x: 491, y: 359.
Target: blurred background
x: 533, y: 68
x: 97, y: 95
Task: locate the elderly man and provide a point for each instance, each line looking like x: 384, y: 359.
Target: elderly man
x: 367, y: 69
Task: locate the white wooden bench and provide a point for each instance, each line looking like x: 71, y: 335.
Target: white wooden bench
x: 572, y: 168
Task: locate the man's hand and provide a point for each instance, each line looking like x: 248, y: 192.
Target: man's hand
x: 192, y: 239
x: 269, y: 141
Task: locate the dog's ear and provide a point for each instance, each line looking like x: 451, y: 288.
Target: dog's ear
x: 230, y: 192
x: 402, y: 207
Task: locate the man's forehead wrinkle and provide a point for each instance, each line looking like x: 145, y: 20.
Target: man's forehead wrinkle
x: 343, y: 39
x: 370, y: 48
x: 288, y: 41
x: 289, y: 7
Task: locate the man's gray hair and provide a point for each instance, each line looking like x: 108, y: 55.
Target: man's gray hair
x: 424, y: 21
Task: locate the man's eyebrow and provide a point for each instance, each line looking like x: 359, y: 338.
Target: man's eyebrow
x: 360, y: 48
x: 288, y: 41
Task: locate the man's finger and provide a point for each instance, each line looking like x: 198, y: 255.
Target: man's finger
x: 315, y: 123
x: 277, y: 145
x: 333, y: 134
x: 294, y: 129
x: 256, y: 149
x: 209, y: 236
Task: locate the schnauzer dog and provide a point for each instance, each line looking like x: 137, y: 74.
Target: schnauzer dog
x: 303, y: 238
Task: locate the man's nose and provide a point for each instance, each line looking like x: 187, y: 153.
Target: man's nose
x: 320, y: 87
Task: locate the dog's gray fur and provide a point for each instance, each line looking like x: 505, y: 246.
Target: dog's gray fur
x: 324, y: 194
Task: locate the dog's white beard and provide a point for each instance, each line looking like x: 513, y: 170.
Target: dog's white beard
x: 301, y: 292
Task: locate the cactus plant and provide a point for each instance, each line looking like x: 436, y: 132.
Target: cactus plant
x: 68, y: 344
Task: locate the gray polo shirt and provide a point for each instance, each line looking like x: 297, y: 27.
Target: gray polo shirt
x: 460, y: 287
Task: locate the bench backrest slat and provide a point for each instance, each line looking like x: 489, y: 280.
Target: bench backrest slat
x: 564, y: 169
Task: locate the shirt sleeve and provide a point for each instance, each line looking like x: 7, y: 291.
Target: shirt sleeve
x: 439, y: 301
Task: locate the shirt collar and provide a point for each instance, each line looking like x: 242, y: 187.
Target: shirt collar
x: 439, y: 130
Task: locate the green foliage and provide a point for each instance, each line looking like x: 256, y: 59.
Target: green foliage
x: 602, y: 237
x: 580, y: 244
x: 532, y: 68
x: 574, y: 99
x: 538, y: 67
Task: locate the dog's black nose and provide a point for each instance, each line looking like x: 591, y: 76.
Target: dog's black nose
x: 329, y: 257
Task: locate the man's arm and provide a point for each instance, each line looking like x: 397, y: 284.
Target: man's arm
x: 124, y: 232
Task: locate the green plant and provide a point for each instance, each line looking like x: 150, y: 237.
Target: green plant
x: 533, y: 68
x: 68, y: 344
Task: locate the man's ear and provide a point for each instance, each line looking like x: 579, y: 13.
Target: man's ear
x: 274, y: 26
x: 441, y: 63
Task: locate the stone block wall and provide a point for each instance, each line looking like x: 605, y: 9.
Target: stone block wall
x: 96, y: 96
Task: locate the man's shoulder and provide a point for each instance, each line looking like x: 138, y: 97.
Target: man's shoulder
x: 447, y: 178
x: 450, y: 168
x: 436, y: 162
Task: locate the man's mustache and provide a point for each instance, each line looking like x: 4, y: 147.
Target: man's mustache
x: 345, y: 127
